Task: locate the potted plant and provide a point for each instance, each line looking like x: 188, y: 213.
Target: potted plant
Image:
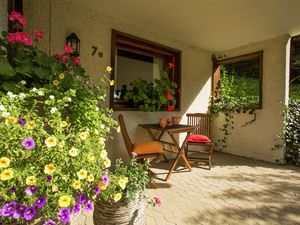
x: 52, y: 131
x: 148, y: 96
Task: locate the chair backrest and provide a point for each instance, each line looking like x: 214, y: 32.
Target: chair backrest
x: 202, y: 121
x: 128, y: 143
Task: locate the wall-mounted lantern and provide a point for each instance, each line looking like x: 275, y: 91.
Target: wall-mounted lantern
x: 74, y: 42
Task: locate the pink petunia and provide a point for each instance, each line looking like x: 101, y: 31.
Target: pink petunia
x: 68, y: 49
x: 157, y: 201
x: 38, y: 35
x: 16, y: 16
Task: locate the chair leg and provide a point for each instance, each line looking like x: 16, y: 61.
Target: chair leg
x: 210, y: 156
x: 153, y: 161
x: 165, y: 158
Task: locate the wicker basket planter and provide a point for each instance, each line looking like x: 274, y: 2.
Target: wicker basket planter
x: 120, y: 213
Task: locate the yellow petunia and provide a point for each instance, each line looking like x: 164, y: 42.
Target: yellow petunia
x: 101, y: 185
x: 73, y: 152
x: 108, y: 69
x: 55, y: 82
x: 51, y: 142
x: 107, y: 163
x: 102, y: 141
x: 103, y: 154
x: 31, y: 125
x: 76, y: 184
x: 111, y: 82
x: 7, y: 174
x: 117, y: 197
x: 63, y: 123
x: 64, y: 201
x: 118, y: 129
x: 10, y: 120
x: 31, y: 180
x: 82, y: 174
x: 84, y: 135
x: 122, y: 182
x: 90, y: 178
x: 49, y: 169
x: 91, y: 158
x: 61, y: 144
x: 61, y: 76
x: 4, y: 162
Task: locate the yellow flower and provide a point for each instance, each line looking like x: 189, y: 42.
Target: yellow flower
x: 73, y: 152
x: 108, y: 69
x: 31, y: 125
x: 76, y: 184
x: 111, y: 82
x: 49, y: 169
x: 84, y: 135
x: 117, y: 197
x: 82, y: 174
x: 4, y: 162
x: 31, y: 180
x: 107, y: 163
x: 61, y: 144
x: 102, y: 141
x: 10, y: 120
x: 90, y: 178
x: 55, y: 82
x: 64, y: 201
x: 91, y: 158
x: 101, y: 185
x: 61, y: 76
x: 122, y: 182
x: 7, y: 174
x: 51, y: 142
x: 103, y: 154
x: 63, y: 123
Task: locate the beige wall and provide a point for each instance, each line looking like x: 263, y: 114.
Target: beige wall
x: 3, y: 15
x: 256, y: 140
x: 94, y: 29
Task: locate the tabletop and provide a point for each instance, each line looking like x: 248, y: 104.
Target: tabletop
x: 178, y: 128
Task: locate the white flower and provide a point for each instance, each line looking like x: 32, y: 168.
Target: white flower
x: 51, y: 97
x: 69, y: 99
x: 103, y: 154
x: 23, y: 82
x: 10, y: 94
x: 34, y: 89
x: 40, y: 93
x: 53, y: 110
x: 102, y: 126
x: 22, y: 96
x: 2, y: 108
x: 97, y: 109
x: 5, y: 114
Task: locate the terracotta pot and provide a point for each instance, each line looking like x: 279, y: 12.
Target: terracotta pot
x: 176, y: 120
x: 163, y: 122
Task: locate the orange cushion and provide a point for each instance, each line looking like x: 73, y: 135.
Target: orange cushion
x: 147, y: 147
x: 198, y: 138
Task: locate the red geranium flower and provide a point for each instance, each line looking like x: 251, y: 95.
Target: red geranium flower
x: 171, y: 108
x: 170, y: 65
x: 169, y: 95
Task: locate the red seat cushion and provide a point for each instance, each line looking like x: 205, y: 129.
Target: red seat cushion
x: 198, y: 138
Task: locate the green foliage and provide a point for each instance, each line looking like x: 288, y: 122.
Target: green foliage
x: 126, y: 181
x: 233, y: 96
x: 294, y: 91
x: 148, y: 96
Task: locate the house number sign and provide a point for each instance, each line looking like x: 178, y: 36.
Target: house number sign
x: 95, y: 50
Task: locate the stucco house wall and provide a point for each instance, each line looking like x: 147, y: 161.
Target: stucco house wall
x: 3, y: 15
x: 94, y: 29
x: 257, y: 139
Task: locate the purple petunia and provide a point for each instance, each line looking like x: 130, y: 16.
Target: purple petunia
x: 22, y: 121
x: 48, y: 179
x: 64, y: 215
x: 30, y: 190
x: 76, y: 208
x: 89, y: 206
x: 19, y: 212
x: 50, y: 222
x: 8, y: 209
x: 29, y: 213
x: 40, y: 202
x: 28, y: 143
x: 97, y: 190
x: 105, y: 179
x: 81, y: 198
x: 12, y: 189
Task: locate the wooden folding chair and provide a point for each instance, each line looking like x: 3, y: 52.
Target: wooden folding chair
x: 151, y: 150
x: 200, y: 137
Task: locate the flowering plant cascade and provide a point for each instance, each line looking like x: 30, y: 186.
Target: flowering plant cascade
x: 52, y: 135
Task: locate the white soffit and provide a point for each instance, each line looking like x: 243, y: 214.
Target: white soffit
x: 213, y: 25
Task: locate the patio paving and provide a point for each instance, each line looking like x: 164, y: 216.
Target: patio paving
x: 236, y: 191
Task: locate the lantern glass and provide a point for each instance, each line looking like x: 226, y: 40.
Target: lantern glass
x: 74, y: 42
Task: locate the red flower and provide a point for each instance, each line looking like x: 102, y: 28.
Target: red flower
x: 157, y: 201
x: 19, y: 37
x: 76, y: 60
x: 16, y: 16
x: 170, y: 65
x: 38, y: 35
x: 171, y: 108
x: 169, y: 95
x: 68, y: 49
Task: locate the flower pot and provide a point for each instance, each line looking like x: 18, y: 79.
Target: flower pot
x: 120, y: 213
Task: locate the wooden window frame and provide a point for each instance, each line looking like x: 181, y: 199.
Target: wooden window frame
x: 13, y: 5
x: 217, y: 72
x: 123, y: 41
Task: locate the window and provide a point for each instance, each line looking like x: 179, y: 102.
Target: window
x: 133, y: 58
x: 241, y: 78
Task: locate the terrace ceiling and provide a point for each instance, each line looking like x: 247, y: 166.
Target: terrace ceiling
x: 214, y: 25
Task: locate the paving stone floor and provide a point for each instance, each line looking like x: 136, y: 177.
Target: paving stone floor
x: 236, y: 190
